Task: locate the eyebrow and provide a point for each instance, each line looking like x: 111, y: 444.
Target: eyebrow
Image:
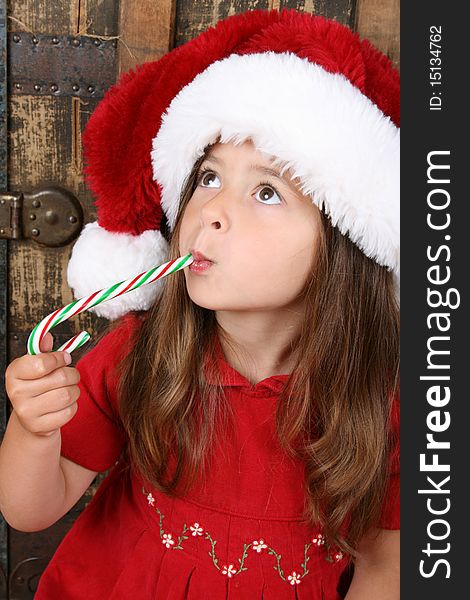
x: 259, y: 168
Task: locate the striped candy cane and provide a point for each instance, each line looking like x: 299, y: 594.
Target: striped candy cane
x: 118, y: 289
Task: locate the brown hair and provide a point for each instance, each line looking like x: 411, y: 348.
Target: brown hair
x: 333, y: 411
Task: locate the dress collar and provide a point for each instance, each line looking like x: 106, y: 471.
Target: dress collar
x: 230, y: 377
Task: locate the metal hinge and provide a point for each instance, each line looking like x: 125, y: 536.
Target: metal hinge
x: 60, y: 65
x: 49, y: 215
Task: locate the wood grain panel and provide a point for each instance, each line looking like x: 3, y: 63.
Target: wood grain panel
x: 146, y: 31
x: 340, y: 10
x: 42, y: 15
x: 100, y: 17
x: 379, y: 22
x: 192, y: 18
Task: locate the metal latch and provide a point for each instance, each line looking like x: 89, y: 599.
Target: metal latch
x: 50, y: 215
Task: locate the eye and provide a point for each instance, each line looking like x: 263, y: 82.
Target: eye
x: 268, y: 195
x: 205, y: 177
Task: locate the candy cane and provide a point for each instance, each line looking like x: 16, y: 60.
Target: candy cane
x: 85, y: 303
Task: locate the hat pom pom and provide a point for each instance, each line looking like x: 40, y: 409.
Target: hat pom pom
x: 101, y: 258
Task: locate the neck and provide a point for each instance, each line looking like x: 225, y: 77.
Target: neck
x: 260, y: 343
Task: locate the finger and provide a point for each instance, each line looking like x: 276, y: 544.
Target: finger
x: 29, y: 367
x: 60, y: 378
x: 55, y: 401
x: 47, y: 342
x: 50, y: 403
x: 55, y: 420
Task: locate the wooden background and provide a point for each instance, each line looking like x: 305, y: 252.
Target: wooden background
x: 45, y: 146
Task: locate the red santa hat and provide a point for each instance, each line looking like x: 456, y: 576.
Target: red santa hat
x: 308, y: 93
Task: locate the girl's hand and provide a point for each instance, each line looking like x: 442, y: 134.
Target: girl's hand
x: 42, y: 389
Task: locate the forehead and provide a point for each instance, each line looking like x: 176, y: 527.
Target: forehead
x: 244, y: 150
x: 226, y: 152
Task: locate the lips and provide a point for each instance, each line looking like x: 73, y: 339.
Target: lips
x: 201, y: 263
x: 199, y: 256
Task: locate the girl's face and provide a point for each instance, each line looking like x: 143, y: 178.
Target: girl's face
x: 258, y: 230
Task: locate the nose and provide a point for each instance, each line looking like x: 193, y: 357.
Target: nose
x: 214, y: 212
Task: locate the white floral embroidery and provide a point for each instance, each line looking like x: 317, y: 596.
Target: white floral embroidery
x: 294, y: 579
x: 167, y: 540
x: 229, y: 571
x: 196, y: 529
x: 318, y: 540
x: 338, y: 556
x: 258, y: 546
x: 332, y: 554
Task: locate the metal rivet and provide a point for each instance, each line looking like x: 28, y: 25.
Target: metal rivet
x: 37, y: 87
x: 55, y: 40
x: 35, y: 232
x: 35, y: 40
x: 2, y: 231
x: 36, y: 204
x: 32, y: 217
x: 97, y: 42
x: 76, y: 42
x: 2, y: 202
x: 16, y: 38
x: 15, y: 337
x: 72, y: 219
x: 51, y: 217
x: 18, y: 86
x: 75, y: 88
x: 91, y: 88
x: 54, y: 87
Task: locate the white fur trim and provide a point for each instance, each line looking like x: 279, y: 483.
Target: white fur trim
x: 342, y: 149
x: 101, y: 258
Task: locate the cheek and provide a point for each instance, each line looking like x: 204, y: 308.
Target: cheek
x: 187, y: 221
x: 297, y: 251
x: 272, y: 260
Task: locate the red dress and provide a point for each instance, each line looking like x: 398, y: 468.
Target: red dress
x: 240, y: 536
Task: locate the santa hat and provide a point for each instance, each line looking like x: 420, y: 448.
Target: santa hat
x: 306, y: 90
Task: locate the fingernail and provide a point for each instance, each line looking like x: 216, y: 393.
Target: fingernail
x: 67, y: 358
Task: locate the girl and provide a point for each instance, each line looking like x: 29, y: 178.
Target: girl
x: 248, y: 405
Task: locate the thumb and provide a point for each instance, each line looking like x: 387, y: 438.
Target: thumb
x: 47, y: 342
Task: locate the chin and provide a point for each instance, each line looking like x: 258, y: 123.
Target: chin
x: 202, y: 300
